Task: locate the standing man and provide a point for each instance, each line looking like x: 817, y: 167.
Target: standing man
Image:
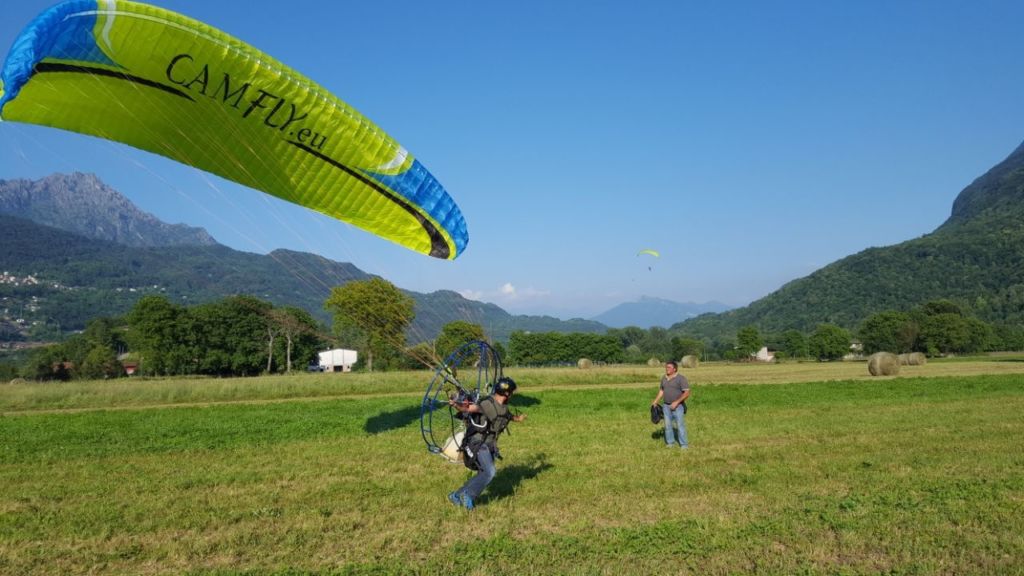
x: 674, y: 391
x: 485, y: 420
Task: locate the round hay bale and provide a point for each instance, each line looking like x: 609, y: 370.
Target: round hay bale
x: 689, y: 361
x: 18, y: 381
x: 904, y: 359
x: 584, y: 364
x: 917, y: 359
x: 884, y: 364
x: 652, y: 362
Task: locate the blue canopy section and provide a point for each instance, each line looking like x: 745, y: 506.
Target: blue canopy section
x: 63, y: 32
x: 420, y: 187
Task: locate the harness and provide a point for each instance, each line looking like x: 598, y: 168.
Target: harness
x: 481, y: 431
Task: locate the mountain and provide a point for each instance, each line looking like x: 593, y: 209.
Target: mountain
x: 82, y: 204
x: 56, y: 277
x: 648, y: 312
x: 975, y: 258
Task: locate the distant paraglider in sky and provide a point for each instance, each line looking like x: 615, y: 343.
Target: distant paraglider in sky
x: 168, y: 84
x: 649, y: 252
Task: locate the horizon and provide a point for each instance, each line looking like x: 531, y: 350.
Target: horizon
x: 569, y: 136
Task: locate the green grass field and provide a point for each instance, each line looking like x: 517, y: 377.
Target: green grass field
x: 822, y: 471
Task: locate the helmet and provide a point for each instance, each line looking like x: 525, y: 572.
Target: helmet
x: 504, y: 386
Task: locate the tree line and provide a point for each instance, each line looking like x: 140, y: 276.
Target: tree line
x: 242, y: 336
x: 236, y: 336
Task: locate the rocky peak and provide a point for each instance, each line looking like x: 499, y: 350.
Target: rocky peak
x: 83, y: 204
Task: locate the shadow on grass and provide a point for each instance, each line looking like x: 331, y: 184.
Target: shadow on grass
x: 392, y: 419
x: 508, y: 479
x: 659, y: 433
x: 522, y: 401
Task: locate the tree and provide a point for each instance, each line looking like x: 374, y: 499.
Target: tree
x: 657, y: 342
x: 299, y: 330
x: 105, y: 332
x: 794, y: 344
x: 628, y: 336
x: 684, y: 346
x: 556, y: 348
x: 887, y: 332
x: 455, y: 334
x: 153, y: 331
x: 748, y: 341
x: 417, y: 357
x: 936, y: 307
x: 100, y: 362
x: 942, y: 327
x: 379, y: 310
x: 230, y: 336
x: 45, y: 363
x: 829, y: 342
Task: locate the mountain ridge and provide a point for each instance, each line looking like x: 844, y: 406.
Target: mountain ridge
x: 975, y: 258
x: 78, y: 276
x: 648, y: 311
x: 83, y: 204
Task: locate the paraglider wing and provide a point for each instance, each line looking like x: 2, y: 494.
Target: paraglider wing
x: 650, y: 252
x: 165, y: 83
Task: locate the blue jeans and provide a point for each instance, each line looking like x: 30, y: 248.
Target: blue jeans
x: 475, y: 485
x: 680, y: 420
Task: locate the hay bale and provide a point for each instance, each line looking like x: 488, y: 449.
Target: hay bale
x: 584, y: 364
x: 904, y: 359
x: 917, y: 359
x: 689, y: 361
x: 18, y: 381
x: 652, y: 362
x: 884, y: 364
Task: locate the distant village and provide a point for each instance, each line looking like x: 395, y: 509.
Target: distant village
x: 19, y: 314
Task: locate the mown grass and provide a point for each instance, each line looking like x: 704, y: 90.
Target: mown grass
x: 139, y: 392
x: 909, y: 475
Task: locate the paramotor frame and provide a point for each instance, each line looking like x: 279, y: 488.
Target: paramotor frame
x: 467, y: 375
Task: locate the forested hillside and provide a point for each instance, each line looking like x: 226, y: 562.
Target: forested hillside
x: 976, y: 259
x: 60, y: 280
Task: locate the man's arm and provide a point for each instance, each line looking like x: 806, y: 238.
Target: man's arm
x: 465, y: 406
x: 686, y: 394
x: 657, y: 398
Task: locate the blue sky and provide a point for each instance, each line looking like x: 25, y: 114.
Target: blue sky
x: 749, y: 142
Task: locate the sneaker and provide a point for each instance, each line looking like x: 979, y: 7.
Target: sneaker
x: 467, y: 501
x: 454, y: 498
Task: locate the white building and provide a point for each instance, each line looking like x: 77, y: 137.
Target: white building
x: 337, y: 360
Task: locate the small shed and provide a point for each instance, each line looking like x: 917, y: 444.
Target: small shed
x: 338, y: 360
x: 765, y: 355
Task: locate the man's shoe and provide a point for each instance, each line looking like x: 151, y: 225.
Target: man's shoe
x: 467, y: 501
x: 454, y: 498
